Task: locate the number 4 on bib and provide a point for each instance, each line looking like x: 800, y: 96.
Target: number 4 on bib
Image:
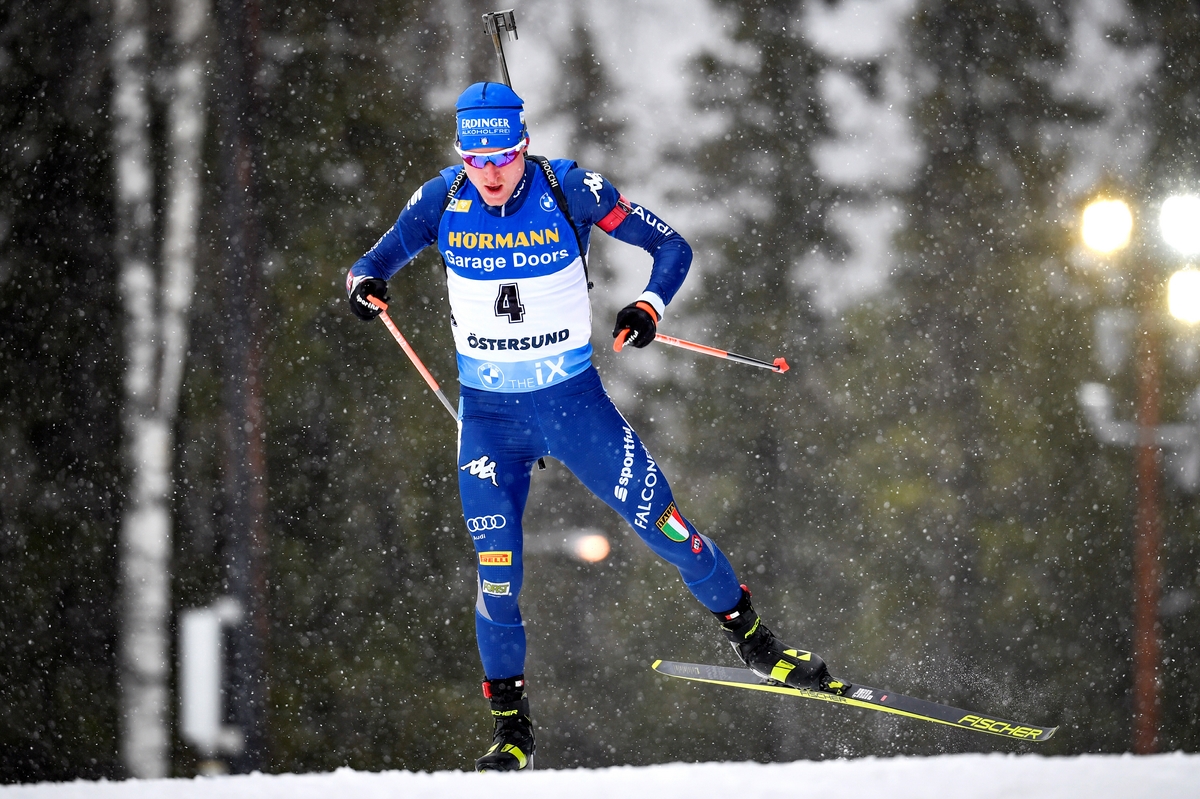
x: 508, y: 303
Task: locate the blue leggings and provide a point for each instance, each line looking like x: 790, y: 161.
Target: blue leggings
x: 501, y: 437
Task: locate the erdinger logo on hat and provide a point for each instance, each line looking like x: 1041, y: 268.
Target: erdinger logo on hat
x: 489, y: 115
x: 487, y: 130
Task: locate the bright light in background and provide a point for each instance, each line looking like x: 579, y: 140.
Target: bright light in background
x: 1183, y: 295
x: 1107, y: 225
x: 588, y: 544
x: 591, y: 548
x: 1179, y: 222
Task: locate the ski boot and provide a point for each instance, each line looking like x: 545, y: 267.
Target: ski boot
x: 512, y: 739
x: 770, y: 658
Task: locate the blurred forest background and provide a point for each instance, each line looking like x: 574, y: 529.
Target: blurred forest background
x: 919, y: 499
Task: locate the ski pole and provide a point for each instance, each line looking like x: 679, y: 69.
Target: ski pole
x: 780, y: 365
x: 494, y: 24
x: 412, y: 355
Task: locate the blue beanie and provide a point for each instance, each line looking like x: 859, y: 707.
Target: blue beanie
x: 489, y: 115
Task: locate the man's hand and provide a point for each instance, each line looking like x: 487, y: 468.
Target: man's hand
x: 641, y: 320
x: 372, y: 286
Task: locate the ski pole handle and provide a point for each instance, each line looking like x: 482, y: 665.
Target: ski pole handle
x: 779, y: 365
x: 411, y: 353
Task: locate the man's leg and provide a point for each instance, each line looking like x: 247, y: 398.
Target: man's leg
x: 493, y: 483
x: 587, y: 433
x: 496, y: 453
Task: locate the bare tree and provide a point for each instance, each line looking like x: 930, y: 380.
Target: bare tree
x: 155, y: 343
x: 186, y: 126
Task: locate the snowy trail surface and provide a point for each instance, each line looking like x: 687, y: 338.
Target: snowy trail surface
x: 995, y: 776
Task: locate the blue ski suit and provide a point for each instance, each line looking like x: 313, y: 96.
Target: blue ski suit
x: 521, y: 319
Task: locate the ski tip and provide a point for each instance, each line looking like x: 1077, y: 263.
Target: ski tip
x: 655, y: 664
x: 781, y: 365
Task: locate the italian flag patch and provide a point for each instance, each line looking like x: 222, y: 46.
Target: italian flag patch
x: 672, y: 526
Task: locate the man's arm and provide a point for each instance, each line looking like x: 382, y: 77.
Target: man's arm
x: 415, y: 229
x: 595, y: 201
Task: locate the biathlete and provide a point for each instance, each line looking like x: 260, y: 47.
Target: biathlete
x: 513, y: 230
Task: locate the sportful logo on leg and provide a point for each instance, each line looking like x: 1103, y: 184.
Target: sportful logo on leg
x: 482, y: 468
x: 621, y: 490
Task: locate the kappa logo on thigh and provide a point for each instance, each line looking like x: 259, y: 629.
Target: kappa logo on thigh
x: 483, y: 468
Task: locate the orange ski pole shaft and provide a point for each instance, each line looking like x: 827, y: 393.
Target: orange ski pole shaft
x: 780, y: 365
x: 411, y: 353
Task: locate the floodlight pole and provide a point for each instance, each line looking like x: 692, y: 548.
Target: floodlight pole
x: 494, y: 24
x: 1148, y: 439
x: 1147, y: 539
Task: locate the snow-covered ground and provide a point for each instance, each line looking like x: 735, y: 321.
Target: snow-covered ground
x: 1174, y: 776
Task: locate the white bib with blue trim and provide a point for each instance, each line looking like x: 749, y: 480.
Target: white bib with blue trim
x: 517, y: 292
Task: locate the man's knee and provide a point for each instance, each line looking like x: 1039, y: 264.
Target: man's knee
x: 497, y: 598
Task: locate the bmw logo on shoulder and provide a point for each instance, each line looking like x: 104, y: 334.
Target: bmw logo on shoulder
x: 491, y: 376
x: 547, y: 202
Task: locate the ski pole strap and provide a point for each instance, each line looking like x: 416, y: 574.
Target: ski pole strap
x: 560, y: 198
x: 619, y: 341
x: 648, y: 308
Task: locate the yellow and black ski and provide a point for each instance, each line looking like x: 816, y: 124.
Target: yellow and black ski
x: 861, y: 696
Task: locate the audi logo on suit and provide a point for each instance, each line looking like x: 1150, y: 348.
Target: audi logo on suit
x: 478, y: 524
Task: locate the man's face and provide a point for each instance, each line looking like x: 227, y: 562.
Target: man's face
x: 496, y: 183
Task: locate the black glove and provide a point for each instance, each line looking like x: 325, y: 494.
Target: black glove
x: 641, y: 320
x: 358, y: 297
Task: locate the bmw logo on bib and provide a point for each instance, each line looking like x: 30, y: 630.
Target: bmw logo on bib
x: 547, y: 202
x: 491, y: 376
